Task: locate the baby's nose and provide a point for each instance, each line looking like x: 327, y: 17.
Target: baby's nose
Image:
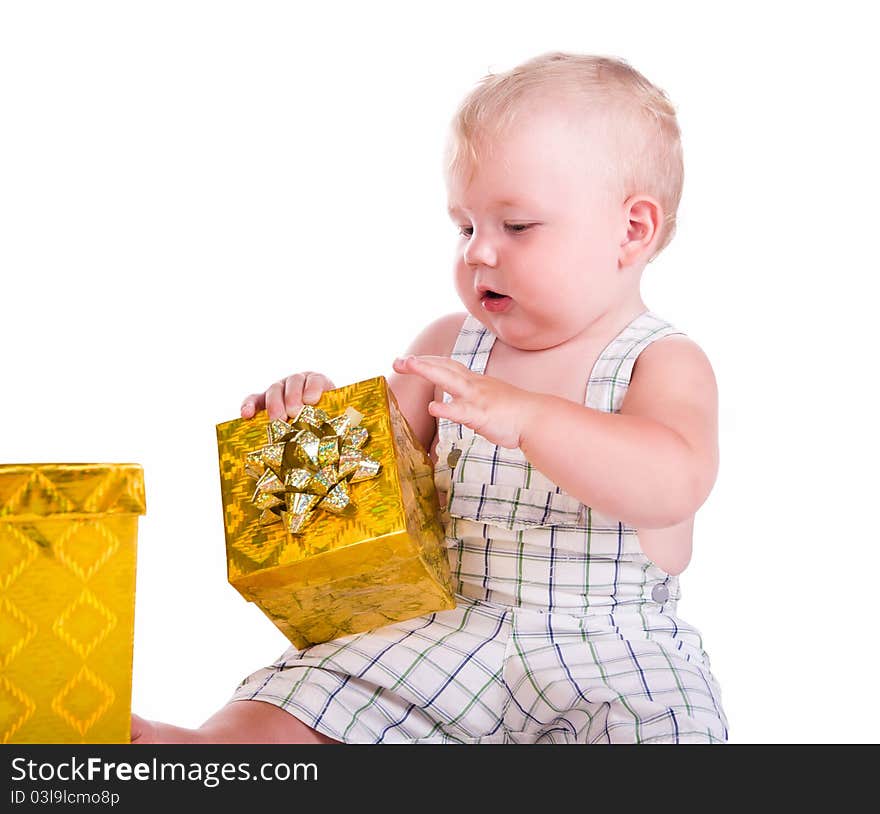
x: 480, y: 251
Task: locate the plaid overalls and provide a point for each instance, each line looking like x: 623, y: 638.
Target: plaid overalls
x: 565, y: 632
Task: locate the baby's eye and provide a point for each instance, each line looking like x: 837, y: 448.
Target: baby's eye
x: 518, y: 227
x: 465, y: 231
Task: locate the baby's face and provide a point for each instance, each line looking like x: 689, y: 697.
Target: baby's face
x: 537, y: 262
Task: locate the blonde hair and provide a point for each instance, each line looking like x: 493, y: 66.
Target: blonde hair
x: 644, y: 135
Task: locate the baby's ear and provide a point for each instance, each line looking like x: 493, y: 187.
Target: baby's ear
x: 644, y: 221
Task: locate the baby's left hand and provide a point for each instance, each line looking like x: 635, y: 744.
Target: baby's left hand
x: 490, y: 407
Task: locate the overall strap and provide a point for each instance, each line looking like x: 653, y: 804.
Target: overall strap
x: 472, y: 348
x: 473, y: 345
x: 610, y: 377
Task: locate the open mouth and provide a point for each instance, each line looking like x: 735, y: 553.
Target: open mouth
x: 493, y: 301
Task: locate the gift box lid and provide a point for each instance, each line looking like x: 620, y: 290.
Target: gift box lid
x: 52, y: 489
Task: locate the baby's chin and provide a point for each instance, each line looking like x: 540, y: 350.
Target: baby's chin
x: 512, y: 327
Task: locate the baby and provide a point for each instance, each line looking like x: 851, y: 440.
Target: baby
x: 574, y: 435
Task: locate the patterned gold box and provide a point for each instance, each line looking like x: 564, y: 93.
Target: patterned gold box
x: 68, y: 552
x: 380, y: 560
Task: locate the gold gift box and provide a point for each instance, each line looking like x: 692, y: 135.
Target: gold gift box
x: 383, y: 560
x: 68, y: 552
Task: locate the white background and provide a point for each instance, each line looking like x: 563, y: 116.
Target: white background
x: 179, y: 180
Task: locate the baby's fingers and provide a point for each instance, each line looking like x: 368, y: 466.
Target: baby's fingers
x: 280, y: 399
x: 287, y: 396
x: 298, y: 389
x: 253, y: 404
x: 315, y: 385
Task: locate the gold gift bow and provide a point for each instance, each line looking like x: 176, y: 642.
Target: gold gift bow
x: 310, y: 463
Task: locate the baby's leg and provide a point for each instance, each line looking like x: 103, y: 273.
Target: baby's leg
x: 237, y: 722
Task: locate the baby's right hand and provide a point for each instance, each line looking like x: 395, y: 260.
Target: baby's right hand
x: 286, y: 397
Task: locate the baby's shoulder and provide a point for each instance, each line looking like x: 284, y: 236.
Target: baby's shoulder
x: 675, y: 354
x: 438, y: 338
x: 673, y: 369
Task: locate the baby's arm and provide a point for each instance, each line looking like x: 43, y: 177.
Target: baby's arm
x: 652, y: 465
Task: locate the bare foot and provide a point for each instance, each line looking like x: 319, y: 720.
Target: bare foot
x: 144, y: 731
